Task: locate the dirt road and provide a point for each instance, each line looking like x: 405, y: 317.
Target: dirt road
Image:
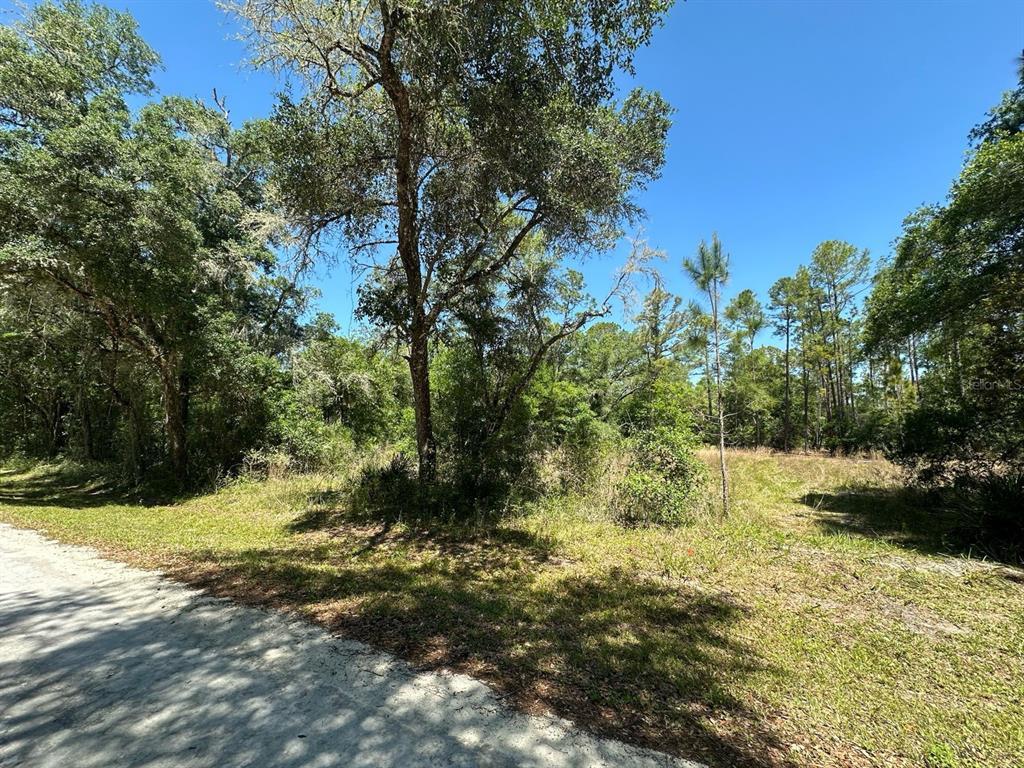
x: 106, y: 665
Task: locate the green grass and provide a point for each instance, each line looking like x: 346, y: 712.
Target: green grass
x: 820, y: 625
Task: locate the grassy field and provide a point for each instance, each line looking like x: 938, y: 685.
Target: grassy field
x: 822, y: 624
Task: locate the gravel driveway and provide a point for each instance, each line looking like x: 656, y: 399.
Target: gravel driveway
x: 106, y: 665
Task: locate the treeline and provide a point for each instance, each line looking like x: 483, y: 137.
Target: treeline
x: 949, y: 305
x: 152, y: 313
x: 143, y: 310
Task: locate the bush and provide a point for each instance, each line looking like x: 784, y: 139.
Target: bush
x: 568, y: 442
x: 943, y: 447
x: 578, y: 465
x: 301, y: 435
x: 665, y: 481
x: 992, y: 508
x: 549, y: 442
x: 668, y: 401
x: 387, y: 490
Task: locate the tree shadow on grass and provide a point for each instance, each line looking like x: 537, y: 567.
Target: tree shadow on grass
x: 391, y: 492
x: 895, y: 514
x: 93, y: 677
x: 478, y: 544
x: 646, y: 662
x: 82, y: 487
x: 926, y: 521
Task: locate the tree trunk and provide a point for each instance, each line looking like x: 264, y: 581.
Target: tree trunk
x: 806, y: 386
x: 407, y: 193
x: 136, y: 432
x: 851, y: 388
x: 87, y: 441
x: 175, y: 405
x: 786, y: 416
x: 419, y: 371
x: 825, y: 398
x: 820, y: 404
x: 807, y: 406
x: 837, y: 347
x: 707, y: 380
x: 912, y: 350
x: 136, y: 443
x: 958, y: 370
x: 58, y: 432
x: 721, y: 404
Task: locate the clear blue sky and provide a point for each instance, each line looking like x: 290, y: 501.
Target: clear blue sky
x: 796, y: 122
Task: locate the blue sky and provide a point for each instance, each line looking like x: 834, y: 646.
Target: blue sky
x: 796, y: 122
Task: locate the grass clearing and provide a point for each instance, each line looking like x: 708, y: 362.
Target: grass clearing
x: 819, y: 625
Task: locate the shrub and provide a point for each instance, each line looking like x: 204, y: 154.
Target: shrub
x: 665, y: 480
x: 991, y: 505
x: 387, y: 489
x: 568, y: 441
x: 944, y: 447
x: 549, y: 441
x: 668, y: 401
x: 299, y: 433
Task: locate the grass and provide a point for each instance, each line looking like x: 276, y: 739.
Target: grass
x: 822, y: 624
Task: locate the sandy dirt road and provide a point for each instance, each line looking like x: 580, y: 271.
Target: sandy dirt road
x: 104, y: 665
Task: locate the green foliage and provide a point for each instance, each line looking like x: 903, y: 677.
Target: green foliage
x: 337, y: 396
x: 478, y: 464
x: 754, y: 397
x: 551, y: 440
x: 951, y: 297
x: 659, y: 324
x: 300, y: 439
x: 666, y: 399
x: 345, y: 381
x: 446, y: 142
x: 665, y: 482
x: 605, y: 361
x: 142, y: 226
x: 569, y: 442
x: 710, y: 269
x: 745, y: 315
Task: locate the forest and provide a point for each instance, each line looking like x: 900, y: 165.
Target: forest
x: 158, y: 327
x: 154, y: 315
